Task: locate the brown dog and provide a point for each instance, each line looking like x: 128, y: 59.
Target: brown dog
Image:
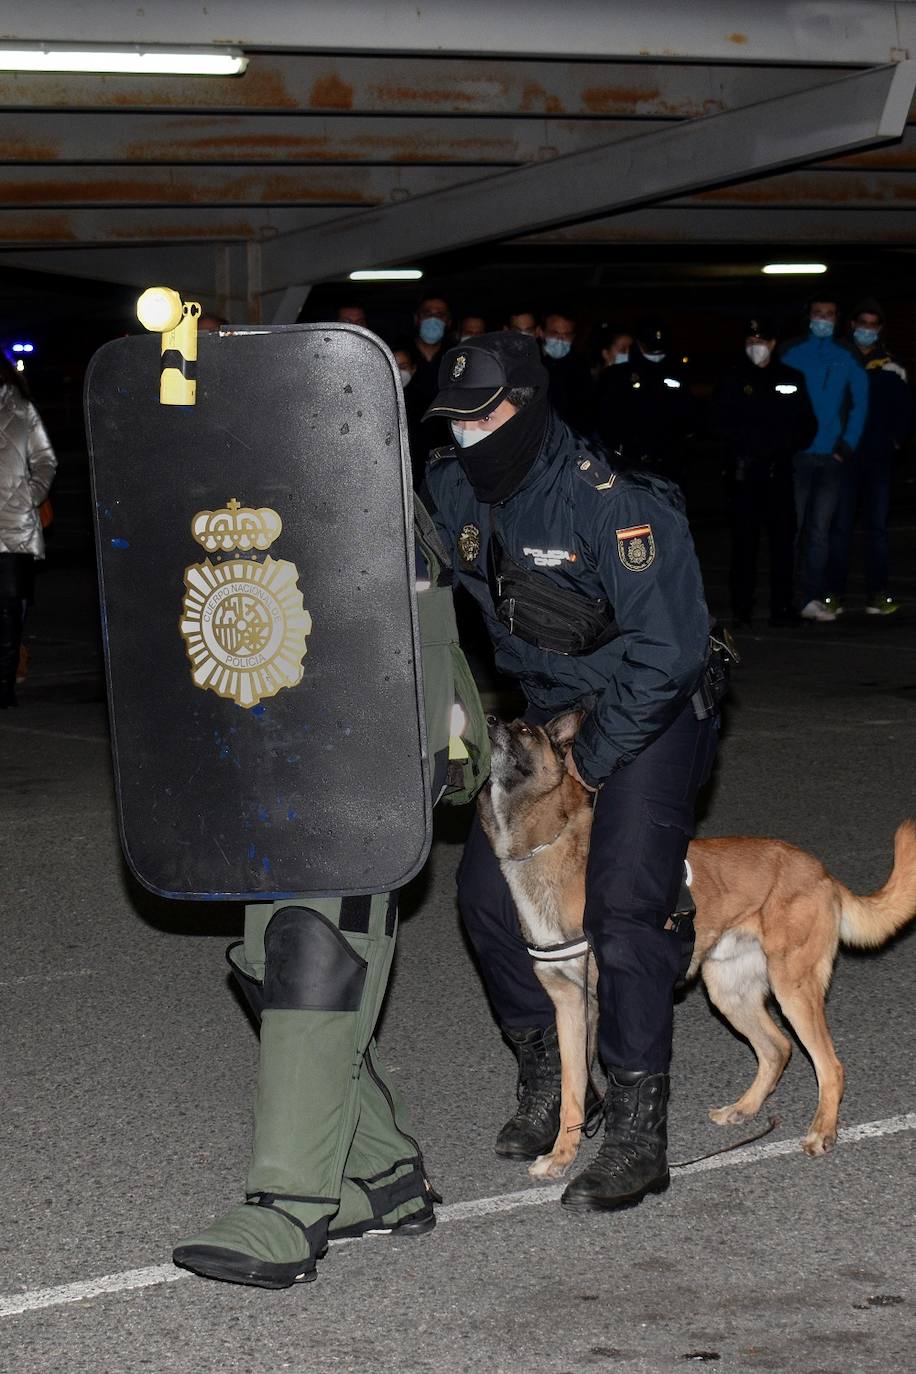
x: 769, y: 919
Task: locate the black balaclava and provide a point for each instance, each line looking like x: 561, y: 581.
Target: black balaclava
x: 497, y: 465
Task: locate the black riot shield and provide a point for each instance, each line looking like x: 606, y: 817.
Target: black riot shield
x: 256, y: 567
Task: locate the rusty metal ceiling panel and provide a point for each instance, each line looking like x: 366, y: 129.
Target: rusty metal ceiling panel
x: 856, y: 31
x: 319, y: 139
x: 814, y: 188
x: 850, y: 112
x: 61, y: 186
x: 22, y: 228
x: 284, y: 82
x: 663, y: 224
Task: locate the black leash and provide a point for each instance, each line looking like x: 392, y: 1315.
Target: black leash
x: 771, y: 1125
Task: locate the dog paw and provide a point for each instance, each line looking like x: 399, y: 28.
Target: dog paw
x: 818, y: 1143
x: 549, y: 1166
x: 730, y: 1116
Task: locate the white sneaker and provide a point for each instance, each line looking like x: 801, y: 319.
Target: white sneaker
x: 817, y: 610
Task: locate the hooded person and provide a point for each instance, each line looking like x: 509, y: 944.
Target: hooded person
x: 591, y: 592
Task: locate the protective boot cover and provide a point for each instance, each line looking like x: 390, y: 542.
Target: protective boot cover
x: 257, y: 581
x: 328, y: 1149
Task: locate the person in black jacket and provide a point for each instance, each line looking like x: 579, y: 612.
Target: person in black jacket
x: 761, y: 414
x: 520, y: 488
x: 645, y: 409
x: 571, y: 387
x: 866, y: 477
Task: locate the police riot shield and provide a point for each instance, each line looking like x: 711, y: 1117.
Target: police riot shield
x: 256, y: 564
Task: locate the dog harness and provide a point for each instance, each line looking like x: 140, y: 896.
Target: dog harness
x: 574, y: 949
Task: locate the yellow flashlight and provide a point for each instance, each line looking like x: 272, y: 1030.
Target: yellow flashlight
x: 162, y: 311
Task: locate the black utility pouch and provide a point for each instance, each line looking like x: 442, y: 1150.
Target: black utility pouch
x: 533, y: 607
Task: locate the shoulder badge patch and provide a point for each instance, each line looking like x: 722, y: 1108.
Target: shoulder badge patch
x: 469, y: 543
x: 636, y: 547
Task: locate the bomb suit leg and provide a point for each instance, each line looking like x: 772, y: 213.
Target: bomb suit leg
x: 316, y: 974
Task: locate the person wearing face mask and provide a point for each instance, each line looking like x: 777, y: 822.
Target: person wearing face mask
x: 646, y: 411
x: 866, y: 477
x: 591, y: 593
x: 761, y: 416
x: 614, y: 347
x: 572, y: 390
x: 432, y: 322
x: 838, y: 388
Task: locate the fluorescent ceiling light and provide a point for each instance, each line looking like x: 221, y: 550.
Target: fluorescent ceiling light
x: 387, y: 274
x: 130, y: 61
x: 791, y: 269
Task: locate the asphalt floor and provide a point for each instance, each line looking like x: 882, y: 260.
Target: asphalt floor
x: 129, y: 1069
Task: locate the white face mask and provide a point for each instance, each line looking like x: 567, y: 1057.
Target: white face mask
x: 758, y: 353
x: 654, y: 357
x: 622, y: 357
x: 406, y: 376
x: 467, y: 438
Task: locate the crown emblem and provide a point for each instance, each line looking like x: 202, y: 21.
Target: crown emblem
x: 461, y: 363
x: 236, y: 527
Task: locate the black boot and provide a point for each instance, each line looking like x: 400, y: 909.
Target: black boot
x: 632, y: 1160
x: 533, y: 1129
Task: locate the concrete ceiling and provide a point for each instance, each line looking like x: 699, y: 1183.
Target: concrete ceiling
x: 365, y: 134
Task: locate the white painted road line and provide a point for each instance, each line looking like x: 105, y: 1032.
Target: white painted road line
x: 36, y: 1298
x: 47, y: 977
x: 92, y: 1288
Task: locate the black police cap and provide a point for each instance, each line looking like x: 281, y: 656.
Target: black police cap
x: 653, y: 334
x: 477, y: 374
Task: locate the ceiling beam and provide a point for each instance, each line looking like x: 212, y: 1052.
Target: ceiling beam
x: 844, y: 31
x: 807, y: 229
x: 281, y: 83
x: 854, y: 111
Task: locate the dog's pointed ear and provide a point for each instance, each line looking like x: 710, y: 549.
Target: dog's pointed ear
x: 561, y: 731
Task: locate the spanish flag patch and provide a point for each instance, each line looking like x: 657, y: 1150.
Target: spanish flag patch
x: 636, y: 547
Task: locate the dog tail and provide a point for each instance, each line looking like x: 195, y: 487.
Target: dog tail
x: 871, y: 921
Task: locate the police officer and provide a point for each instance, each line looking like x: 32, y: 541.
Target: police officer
x: 333, y: 1156
x: 761, y: 413
x: 646, y: 412
x: 527, y: 509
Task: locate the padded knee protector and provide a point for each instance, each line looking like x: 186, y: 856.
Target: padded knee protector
x: 309, y: 965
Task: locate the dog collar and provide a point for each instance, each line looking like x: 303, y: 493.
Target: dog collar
x: 554, y: 954
x: 538, y: 849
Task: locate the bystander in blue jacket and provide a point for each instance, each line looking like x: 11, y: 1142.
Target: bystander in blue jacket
x: 838, y: 390
x: 866, y: 479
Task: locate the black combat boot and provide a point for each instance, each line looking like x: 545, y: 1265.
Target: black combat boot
x: 632, y: 1160
x: 533, y: 1129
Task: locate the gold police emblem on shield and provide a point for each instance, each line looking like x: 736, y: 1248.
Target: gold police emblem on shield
x: 243, y: 620
x: 469, y: 543
x: 636, y: 547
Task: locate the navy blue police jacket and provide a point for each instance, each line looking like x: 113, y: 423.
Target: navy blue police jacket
x: 622, y: 536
